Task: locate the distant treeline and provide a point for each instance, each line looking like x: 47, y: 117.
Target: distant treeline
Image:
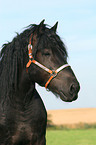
x: 71, y: 126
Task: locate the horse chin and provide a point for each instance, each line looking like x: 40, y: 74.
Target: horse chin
x: 63, y: 97
x: 67, y: 98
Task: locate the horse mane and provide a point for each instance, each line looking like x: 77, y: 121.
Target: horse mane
x: 13, y: 54
x: 12, y: 61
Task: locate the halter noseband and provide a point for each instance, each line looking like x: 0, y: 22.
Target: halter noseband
x: 53, y: 73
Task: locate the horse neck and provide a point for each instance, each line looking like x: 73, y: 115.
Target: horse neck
x: 26, y: 87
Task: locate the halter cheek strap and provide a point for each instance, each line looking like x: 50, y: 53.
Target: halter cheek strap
x: 52, y: 73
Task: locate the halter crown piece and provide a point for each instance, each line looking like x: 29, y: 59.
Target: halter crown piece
x: 52, y: 73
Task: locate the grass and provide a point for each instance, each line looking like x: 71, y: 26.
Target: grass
x: 71, y: 137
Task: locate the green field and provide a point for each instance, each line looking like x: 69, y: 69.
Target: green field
x: 71, y: 137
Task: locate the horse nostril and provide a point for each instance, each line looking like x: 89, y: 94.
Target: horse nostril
x: 74, y: 89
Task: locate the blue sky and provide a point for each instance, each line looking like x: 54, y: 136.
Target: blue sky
x: 77, y: 28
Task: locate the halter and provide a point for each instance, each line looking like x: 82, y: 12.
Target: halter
x: 53, y: 73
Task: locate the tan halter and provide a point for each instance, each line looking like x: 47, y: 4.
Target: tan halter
x: 52, y: 73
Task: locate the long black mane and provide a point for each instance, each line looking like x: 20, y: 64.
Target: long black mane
x: 14, y: 55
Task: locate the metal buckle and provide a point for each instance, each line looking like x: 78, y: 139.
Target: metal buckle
x: 54, y: 74
x: 29, y: 46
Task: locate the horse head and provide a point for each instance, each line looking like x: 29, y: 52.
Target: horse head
x: 48, y: 65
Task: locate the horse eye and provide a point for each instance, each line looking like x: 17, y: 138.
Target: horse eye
x: 47, y: 53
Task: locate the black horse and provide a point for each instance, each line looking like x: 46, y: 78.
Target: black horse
x: 23, y: 116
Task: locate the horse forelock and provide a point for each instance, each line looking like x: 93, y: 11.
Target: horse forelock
x: 47, y: 38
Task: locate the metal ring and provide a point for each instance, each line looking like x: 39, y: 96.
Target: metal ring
x: 54, y: 74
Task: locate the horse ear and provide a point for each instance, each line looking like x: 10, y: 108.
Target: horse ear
x: 41, y: 23
x: 54, y: 27
x: 41, y: 26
